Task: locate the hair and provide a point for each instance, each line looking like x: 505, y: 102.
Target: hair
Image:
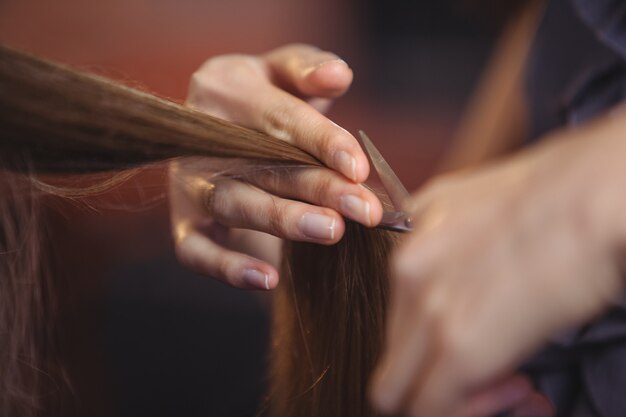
x: 329, y: 307
x: 55, y: 119
x: 328, y: 325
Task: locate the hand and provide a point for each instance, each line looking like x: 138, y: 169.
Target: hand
x: 282, y: 94
x: 500, y: 260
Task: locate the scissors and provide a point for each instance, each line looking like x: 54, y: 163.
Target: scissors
x: 396, y: 220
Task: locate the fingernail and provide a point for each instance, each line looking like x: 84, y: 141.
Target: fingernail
x: 256, y: 279
x: 356, y: 208
x: 317, y: 65
x: 347, y: 164
x: 317, y: 226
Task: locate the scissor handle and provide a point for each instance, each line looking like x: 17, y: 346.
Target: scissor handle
x: 396, y: 221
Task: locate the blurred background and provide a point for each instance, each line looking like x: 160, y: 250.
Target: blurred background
x: 145, y: 337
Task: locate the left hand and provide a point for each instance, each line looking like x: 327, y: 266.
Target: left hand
x: 282, y: 93
x: 500, y: 260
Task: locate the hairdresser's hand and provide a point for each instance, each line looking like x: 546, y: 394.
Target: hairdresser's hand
x: 501, y: 260
x: 283, y: 94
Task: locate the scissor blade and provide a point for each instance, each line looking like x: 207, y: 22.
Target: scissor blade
x: 395, y: 189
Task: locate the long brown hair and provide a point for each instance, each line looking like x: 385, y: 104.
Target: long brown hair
x: 328, y: 325
x: 68, y: 121
x: 329, y: 306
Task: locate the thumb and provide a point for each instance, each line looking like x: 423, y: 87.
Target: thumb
x: 305, y: 70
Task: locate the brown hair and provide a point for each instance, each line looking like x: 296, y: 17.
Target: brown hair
x: 328, y: 325
x: 329, y: 306
x: 60, y: 120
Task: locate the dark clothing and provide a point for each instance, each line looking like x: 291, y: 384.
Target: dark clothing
x: 577, y: 66
x: 577, y: 70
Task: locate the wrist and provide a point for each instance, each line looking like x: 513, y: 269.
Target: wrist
x: 610, y: 179
x: 602, y: 146
x: 581, y: 173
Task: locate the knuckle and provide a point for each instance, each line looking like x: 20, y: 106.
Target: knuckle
x: 405, y: 281
x: 223, y: 268
x: 219, y: 77
x: 274, y: 179
x: 326, y: 140
x: 455, y: 349
x: 277, y: 120
x: 244, y: 216
x: 229, y: 65
x: 181, y: 229
x: 197, y: 80
x: 419, y: 258
x: 219, y: 206
x: 276, y: 215
x: 204, y: 92
x: 186, y: 256
x: 408, y: 271
x: 321, y: 188
x: 198, y: 88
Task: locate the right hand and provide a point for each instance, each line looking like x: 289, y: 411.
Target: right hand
x: 501, y: 259
x: 281, y: 93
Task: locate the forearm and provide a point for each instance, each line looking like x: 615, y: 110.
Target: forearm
x: 580, y: 173
x: 608, y: 162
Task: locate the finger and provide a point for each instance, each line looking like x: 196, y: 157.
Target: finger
x: 307, y: 71
x: 237, y: 204
x: 415, y: 262
x: 236, y: 88
x: 321, y: 187
x: 438, y: 391
x: 200, y: 254
x: 501, y: 396
x: 420, y: 204
x: 294, y: 121
x: 448, y: 387
x: 415, y: 308
x: 411, y: 321
x: 536, y: 405
x: 394, y: 376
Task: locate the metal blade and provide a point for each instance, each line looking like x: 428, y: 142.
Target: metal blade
x: 395, y: 189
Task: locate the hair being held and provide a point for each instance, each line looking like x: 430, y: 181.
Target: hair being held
x: 329, y: 307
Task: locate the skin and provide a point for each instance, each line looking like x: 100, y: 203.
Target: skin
x: 503, y: 257
x: 282, y: 93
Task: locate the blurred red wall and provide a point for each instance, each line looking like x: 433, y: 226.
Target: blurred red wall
x: 159, y: 43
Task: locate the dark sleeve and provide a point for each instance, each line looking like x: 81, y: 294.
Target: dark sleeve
x: 607, y: 18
